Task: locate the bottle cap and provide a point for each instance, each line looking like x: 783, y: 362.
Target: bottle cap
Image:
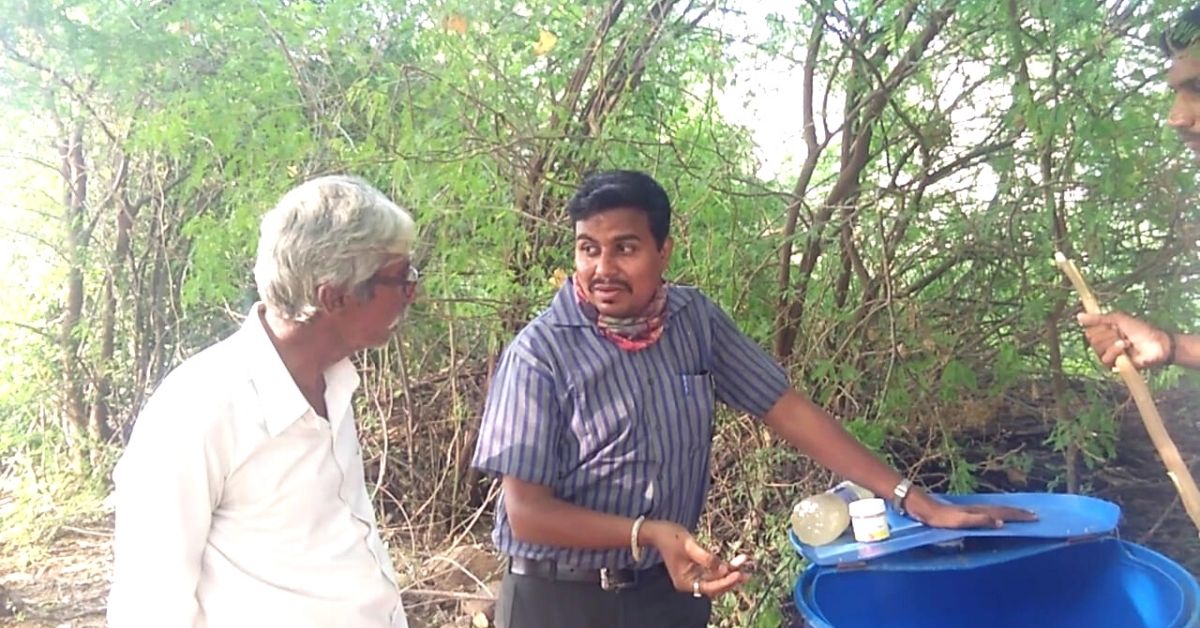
x: 867, y: 507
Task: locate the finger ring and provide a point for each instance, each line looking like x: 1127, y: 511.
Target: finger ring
x: 696, y: 588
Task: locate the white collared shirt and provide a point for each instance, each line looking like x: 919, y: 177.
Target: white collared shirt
x: 238, y: 506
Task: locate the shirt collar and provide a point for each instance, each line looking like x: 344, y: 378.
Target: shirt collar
x: 280, y: 398
x: 565, y: 311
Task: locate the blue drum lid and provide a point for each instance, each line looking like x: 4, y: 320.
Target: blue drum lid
x: 1059, y: 517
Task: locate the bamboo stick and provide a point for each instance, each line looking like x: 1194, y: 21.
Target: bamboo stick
x: 1177, y: 470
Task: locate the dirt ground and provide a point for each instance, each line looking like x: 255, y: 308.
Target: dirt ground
x: 64, y: 589
x: 67, y: 587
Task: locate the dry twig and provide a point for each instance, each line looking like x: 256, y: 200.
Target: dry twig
x: 1177, y: 470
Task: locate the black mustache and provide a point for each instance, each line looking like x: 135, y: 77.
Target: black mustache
x: 608, y: 284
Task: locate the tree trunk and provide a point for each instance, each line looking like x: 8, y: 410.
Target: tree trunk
x: 74, y: 175
x: 101, y: 411
x: 865, y: 106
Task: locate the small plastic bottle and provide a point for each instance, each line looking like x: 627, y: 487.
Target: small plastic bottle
x: 869, y: 517
x: 820, y: 519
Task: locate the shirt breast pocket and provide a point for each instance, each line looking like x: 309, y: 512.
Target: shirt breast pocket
x: 693, y: 398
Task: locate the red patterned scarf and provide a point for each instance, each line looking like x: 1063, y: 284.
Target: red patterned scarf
x: 630, y: 334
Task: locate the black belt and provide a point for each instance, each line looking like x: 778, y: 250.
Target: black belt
x: 608, y: 579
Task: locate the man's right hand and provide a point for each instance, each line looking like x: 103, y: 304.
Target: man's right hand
x: 1113, y: 334
x: 688, y: 562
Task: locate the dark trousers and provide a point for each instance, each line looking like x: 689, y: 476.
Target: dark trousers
x: 533, y: 602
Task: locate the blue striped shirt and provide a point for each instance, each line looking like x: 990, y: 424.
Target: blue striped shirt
x: 626, y: 433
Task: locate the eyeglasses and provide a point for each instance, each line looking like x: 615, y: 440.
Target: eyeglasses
x: 408, y: 281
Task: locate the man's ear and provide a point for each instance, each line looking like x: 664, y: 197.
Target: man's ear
x: 665, y: 252
x: 330, y: 298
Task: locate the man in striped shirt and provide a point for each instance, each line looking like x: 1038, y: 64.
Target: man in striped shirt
x: 600, y: 419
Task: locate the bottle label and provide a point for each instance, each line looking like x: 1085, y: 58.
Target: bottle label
x: 870, y: 529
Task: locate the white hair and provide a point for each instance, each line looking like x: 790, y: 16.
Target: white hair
x: 336, y: 230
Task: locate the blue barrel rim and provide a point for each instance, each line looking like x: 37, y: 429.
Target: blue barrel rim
x: 1165, y: 566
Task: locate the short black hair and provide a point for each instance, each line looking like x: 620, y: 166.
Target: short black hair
x: 617, y: 189
x: 1181, y: 33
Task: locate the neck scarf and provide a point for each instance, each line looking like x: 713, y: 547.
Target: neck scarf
x: 633, y: 333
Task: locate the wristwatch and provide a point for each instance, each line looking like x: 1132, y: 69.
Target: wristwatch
x: 898, y: 495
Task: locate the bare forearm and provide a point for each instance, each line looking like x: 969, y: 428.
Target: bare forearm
x: 1187, y: 351
x: 810, y: 429
x: 547, y: 520
x: 536, y: 516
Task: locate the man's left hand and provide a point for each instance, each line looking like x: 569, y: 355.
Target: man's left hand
x: 936, y: 514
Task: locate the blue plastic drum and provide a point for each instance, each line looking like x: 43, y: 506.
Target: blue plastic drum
x: 1096, y: 584
x: 1068, y: 570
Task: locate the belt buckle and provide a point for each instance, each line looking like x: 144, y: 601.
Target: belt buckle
x: 612, y: 585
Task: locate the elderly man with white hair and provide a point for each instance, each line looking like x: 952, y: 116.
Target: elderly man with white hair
x: 240, y: 499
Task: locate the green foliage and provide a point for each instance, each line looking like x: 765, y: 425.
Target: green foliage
x: 48, y: 487
x: 957, y: 380
x: 873, y: 434
x: 1093, y: 430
